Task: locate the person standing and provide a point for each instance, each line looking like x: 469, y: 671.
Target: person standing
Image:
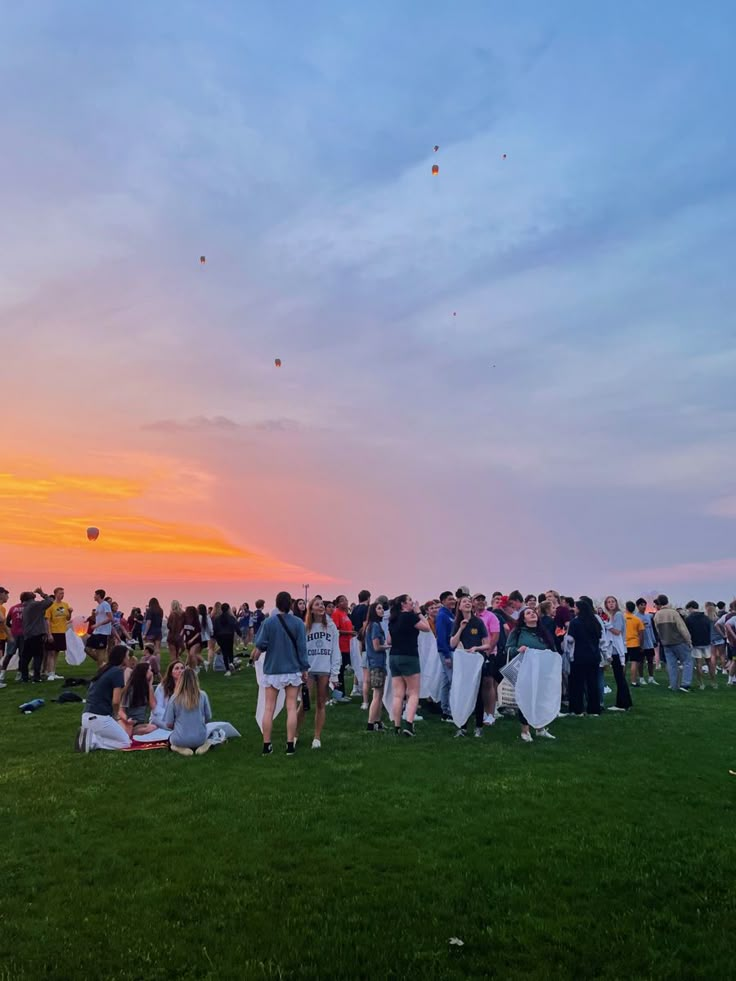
x: 676, y: 643
x: 14, y: 627
x: 99, y: 640
x: 58, y: 616
x: 648, y: 640
x: 283, y: 641
x: 615, y: 627
x: 376, y: 647
x: 443, y: 631
x: 529, y: 635
x: 345, y: 630
x: 224, y: 628
x: 488, y: 684
x: 175, y: 625
x: 35, y: 631
x: 470, y: 633
x: 4, y: 594
x: 323, y: 654
x: 405, y: 622
x: 634, y: 641
x: 585, y: 631
x: 698, y: 626
x: 153, y: 627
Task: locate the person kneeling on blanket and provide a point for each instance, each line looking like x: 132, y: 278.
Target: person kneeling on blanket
x: 100, y: 728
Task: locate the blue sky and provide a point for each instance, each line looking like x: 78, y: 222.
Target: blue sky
x: 292, y: 145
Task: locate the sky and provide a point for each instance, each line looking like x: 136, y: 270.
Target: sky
x: 516, y: 374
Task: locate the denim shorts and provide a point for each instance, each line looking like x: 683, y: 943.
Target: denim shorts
x: 404, y: 665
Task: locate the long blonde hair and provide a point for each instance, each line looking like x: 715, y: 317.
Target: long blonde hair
x: 175, y: 606
x: 187, y: 689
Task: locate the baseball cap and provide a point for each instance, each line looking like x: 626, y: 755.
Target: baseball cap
x: 462, y: 591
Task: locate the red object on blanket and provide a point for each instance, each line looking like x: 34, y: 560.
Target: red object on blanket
x: 160, y: 744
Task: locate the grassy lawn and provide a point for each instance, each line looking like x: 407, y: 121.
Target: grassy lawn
x: 606, y: 854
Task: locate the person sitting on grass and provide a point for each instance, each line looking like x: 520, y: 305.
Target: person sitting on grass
x: 151, y: 658
x: 164, y: 692
x: 100, y: 728
x: 187, y: 714
x: 137, y: 701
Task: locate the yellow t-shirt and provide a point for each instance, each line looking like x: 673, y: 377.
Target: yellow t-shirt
x: 634, y: 630
x: 3, y: 628
x: 59, y: 614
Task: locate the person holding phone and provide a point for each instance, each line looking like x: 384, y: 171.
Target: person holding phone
x: 404, y: 623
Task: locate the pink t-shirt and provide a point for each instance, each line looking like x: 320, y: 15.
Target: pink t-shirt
x: 491, y: 623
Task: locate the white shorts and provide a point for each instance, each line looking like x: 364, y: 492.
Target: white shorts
x: 282, y: 681
x: 701, y: 652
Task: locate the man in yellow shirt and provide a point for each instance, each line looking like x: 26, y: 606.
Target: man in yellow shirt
x: 58, y: 616
x: 634, y: 653
x: 3, y: 630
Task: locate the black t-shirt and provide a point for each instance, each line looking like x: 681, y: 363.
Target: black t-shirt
x: 474, y: 634
x: 404, y: 634
x: 99, y: 694
x: 358, y: 616
x: 699, y: 626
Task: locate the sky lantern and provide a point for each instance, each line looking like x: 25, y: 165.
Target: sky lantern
x: 93, y: 534
x: 435, y: 170
x: 79, y: 626
x: 436, y: 147
x: 277, y: 362
x: 202, y: 260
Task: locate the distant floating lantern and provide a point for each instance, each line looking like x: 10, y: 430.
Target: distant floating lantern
x: 277, y: 362
x: 436, y: 147
x: 503, y: 156
x: 435, y: 170
x: 93, y: 534
x: 202, y: 260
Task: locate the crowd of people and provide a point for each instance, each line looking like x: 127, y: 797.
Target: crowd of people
x: 303, y: 649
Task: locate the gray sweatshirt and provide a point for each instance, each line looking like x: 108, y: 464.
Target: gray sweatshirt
x: 34, y: 617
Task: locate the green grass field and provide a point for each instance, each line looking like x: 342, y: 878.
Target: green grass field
x: 606, y: 854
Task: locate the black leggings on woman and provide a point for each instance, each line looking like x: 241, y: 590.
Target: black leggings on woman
x: 623, y: 695
x: 583, y: 684
x: 226, y: 642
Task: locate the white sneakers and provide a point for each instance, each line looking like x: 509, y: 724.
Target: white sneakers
x: 545, y: 734
x: 607, y: 690
x: 489, y: 719
x: 364, y: 707
x: 653, y: 682
x: 526, y: 737
x: 55, y: 677
x: 228, y: 674
x: 316, y: 744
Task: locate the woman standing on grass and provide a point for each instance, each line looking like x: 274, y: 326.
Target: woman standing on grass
x: 138, y: 701
x: 470, y: 633
x: 528, y: 636
x: 191, y: 635
x: 164, y: 691
x: 188, y: 713
x: 283, y: 640
x: 100, y: 728
x: 615, y: 627
x: 154, y: 623
x: 405, y: 622
x: 205, y: 629
x: 375, y: 651
x: 585, y: 630
x: 323, y: 653
x: 225, y: 627
x: 174, y: 624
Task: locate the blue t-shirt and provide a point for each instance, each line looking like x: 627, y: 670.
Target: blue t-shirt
x: 376, y: 659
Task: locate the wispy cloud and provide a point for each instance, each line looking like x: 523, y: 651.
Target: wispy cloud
x: 220, y: 424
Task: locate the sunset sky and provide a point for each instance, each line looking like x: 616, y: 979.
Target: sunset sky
x: 519, y: 373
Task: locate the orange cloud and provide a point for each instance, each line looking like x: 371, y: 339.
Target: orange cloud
x: 44, y: 522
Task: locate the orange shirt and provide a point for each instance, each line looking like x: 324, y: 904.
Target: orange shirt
x: 634, y: 630
x: 343, y: 622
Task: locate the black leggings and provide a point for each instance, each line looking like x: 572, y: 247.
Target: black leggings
x: 584, y: 682
x: 345, y: 658
x: 226, y: 642
x: 33, y: 649
x: 623, y: 695
x: 650, y: 663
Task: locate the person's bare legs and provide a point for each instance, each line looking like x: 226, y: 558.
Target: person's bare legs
x: 398, y: 692
x: 366, y: 685
x: 292, y: 693
x: 319, y: 715
x: 269, y: 709
x: 376, y: 709
x: 490, y: 695
x: 412, y: 685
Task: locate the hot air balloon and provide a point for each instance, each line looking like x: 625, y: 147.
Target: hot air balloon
x: 277, y: 362
x: 436, y: 147
x: 93, y: 534
x: 503, y: 156
x: 435, y: 170
x: 202, y: 260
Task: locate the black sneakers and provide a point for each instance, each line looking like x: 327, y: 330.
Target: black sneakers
x: 291, y: 749
x: 267, y: 749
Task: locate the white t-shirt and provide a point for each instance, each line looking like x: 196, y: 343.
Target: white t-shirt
x: 103, y: 609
